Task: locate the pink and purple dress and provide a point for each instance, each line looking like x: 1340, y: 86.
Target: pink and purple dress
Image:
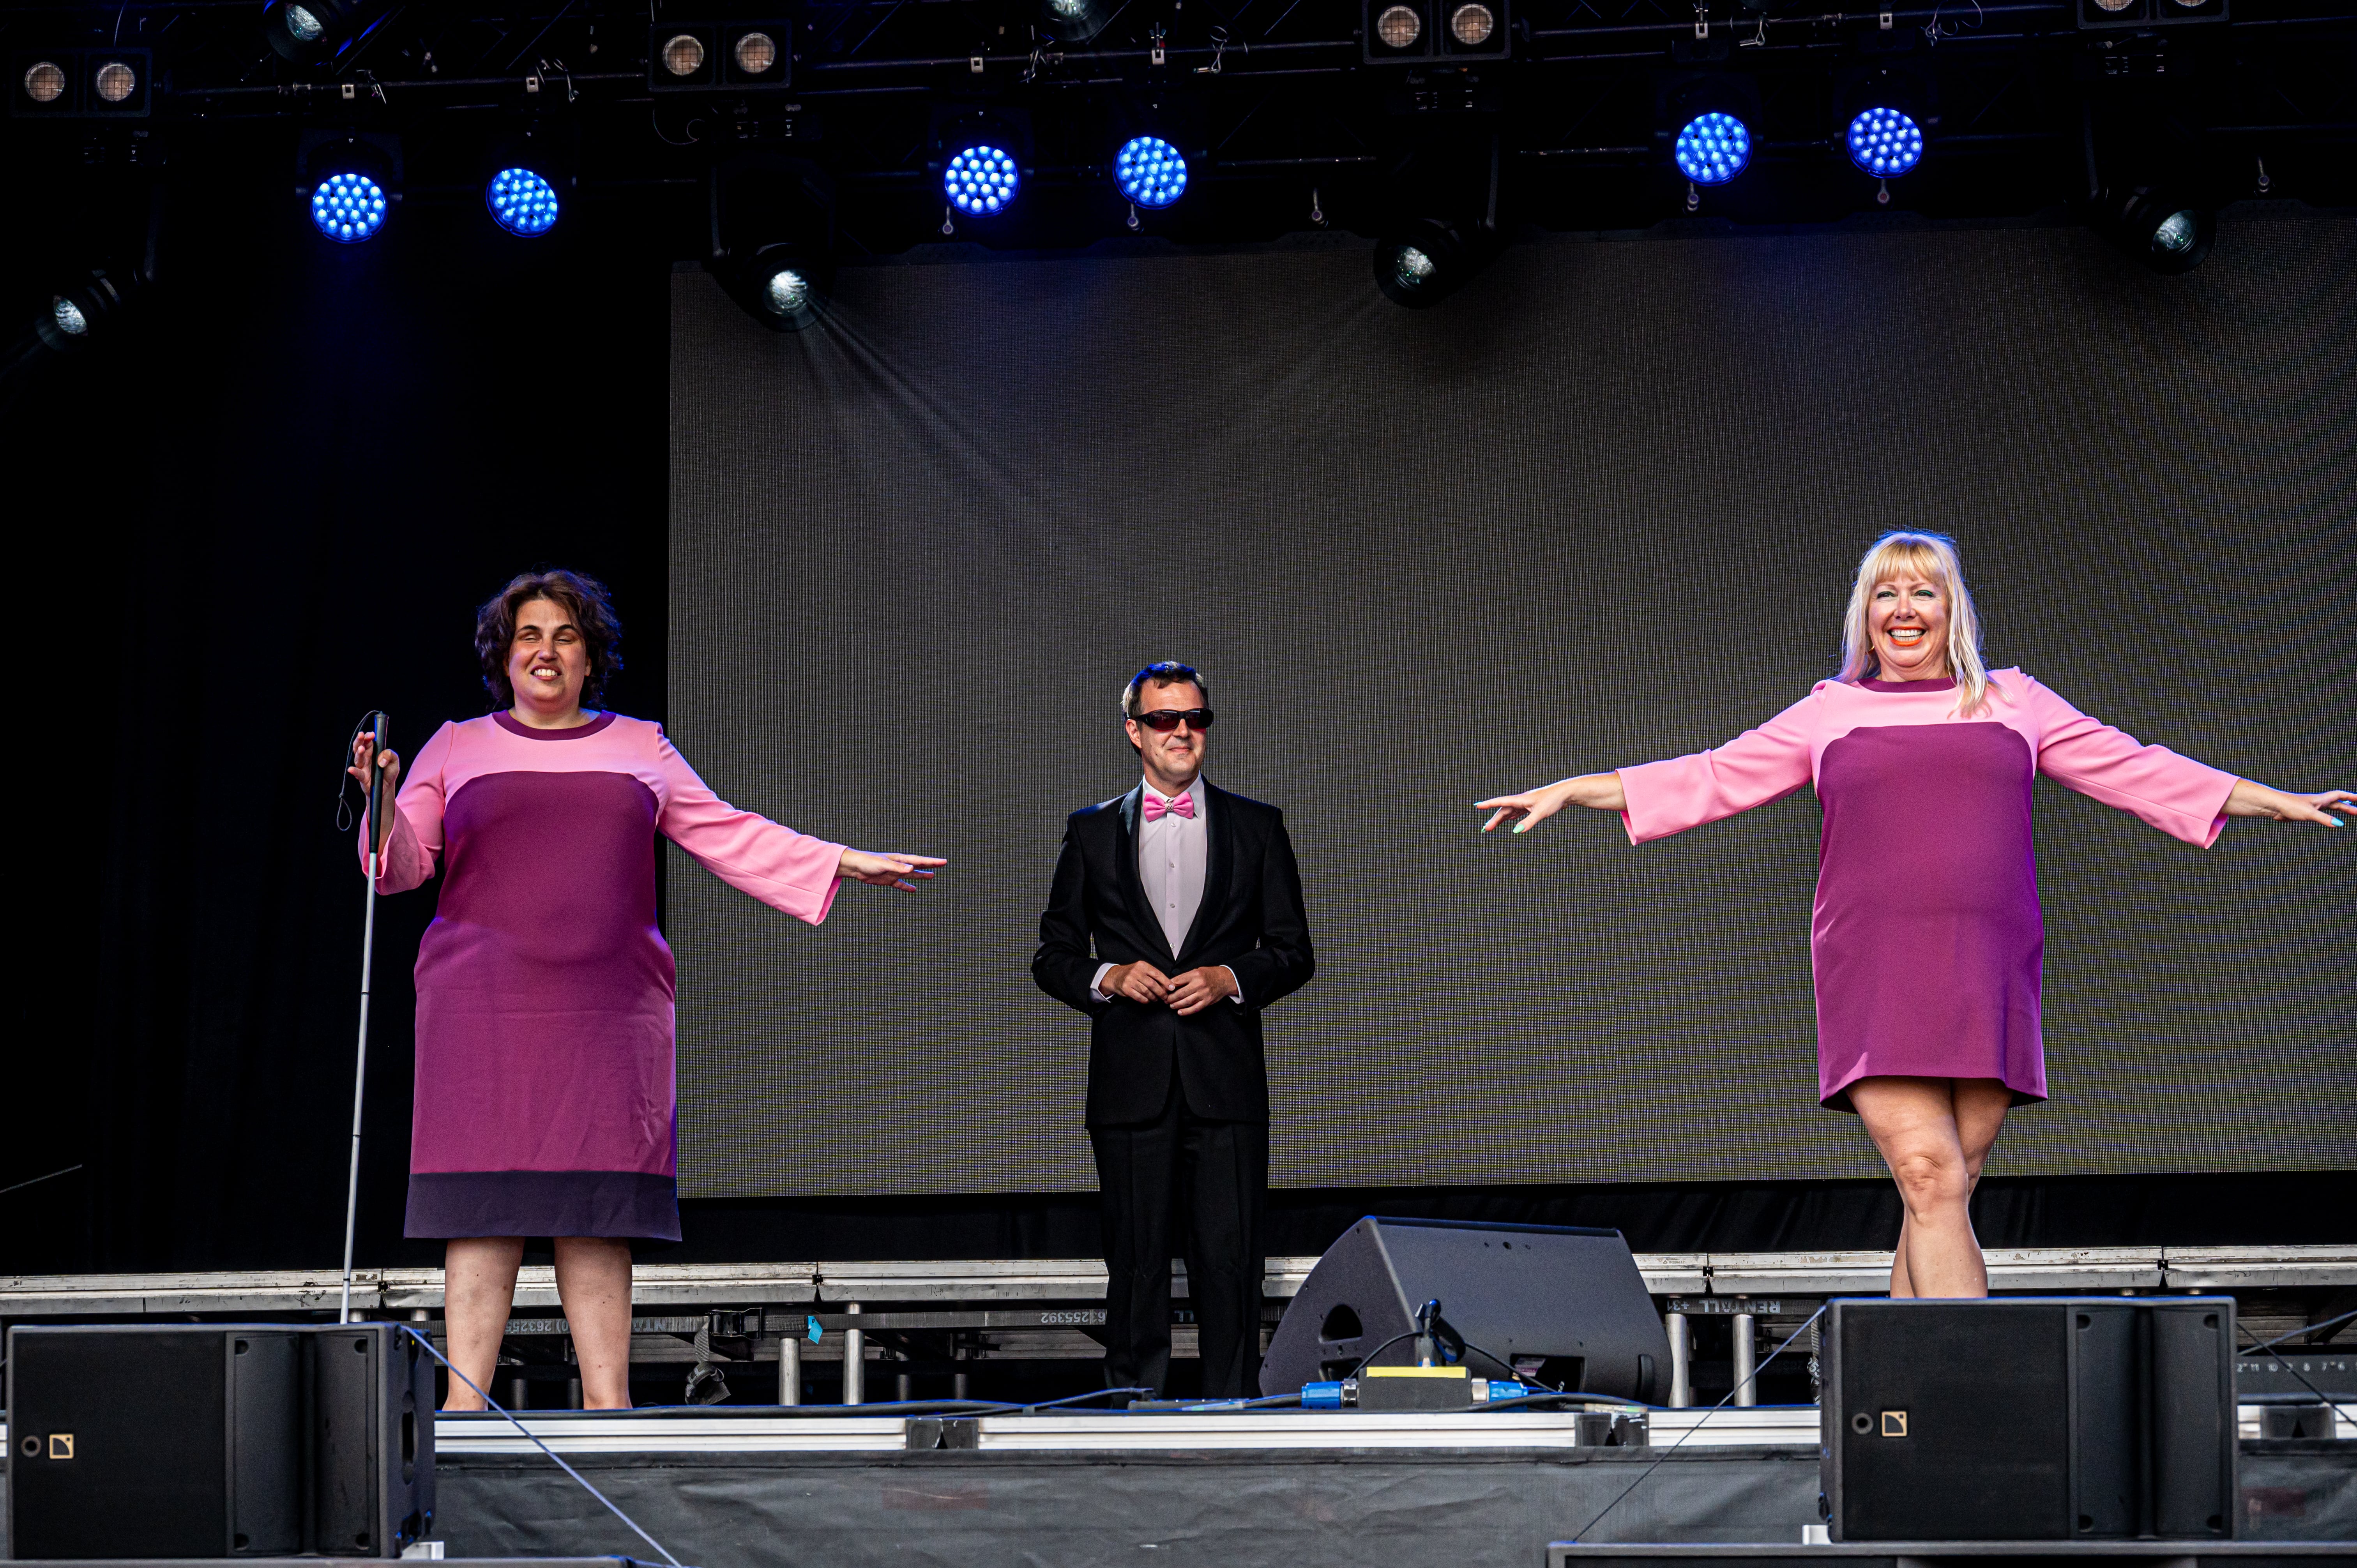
x: 1927, y: 937
x: 545, y: 1100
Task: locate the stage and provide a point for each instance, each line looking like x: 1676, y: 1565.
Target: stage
x: 740, y: 1487
x: 738, y: 1484
x: 749, y: 1486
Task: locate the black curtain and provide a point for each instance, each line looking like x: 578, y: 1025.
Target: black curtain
x: 273, y: 503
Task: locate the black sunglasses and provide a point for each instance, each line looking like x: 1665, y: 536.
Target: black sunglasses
x: 1167, y: 719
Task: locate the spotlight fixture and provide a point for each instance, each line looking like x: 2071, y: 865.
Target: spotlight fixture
x: 981, y: 180
x: 527, y: 176
x: 783, y: 286
x: 1073, y: 21
x: 348, y: 207
x: 1885, y: 112
x: 2166, y: 229
x: 521, y: 201
x: 352, y: 182
x: 45, y: 81
x: 773, y: 236
x: 309, y: 31
x: 723, y: 57
x: 1397, y: 29
x: 1150, y: 171
x: 85, y: 310
x: 80, y: 84
x: 1712, y: 148
x: 1425, y: 260
x: 1885, y: 142
x: 2097, y: 15
x: 1476, y: 27
x: 683, y: 57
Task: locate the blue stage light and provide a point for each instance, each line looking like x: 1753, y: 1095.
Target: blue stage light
x: 348, y: 208
x: 1712, y: 148
x: 521, y: 201
x: 1150, y: 171
x: 1885, y: 143
x: 981, y: 181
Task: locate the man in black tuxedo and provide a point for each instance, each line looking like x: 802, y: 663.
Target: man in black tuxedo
x: 1175, y: 918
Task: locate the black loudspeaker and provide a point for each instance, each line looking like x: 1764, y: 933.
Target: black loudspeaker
x: 217, y: 1441
x: 371, y: 1448
x: 1570, y: 1299
x: 2041, y: 1418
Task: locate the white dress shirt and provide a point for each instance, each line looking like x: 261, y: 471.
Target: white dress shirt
x: 1173, y: 854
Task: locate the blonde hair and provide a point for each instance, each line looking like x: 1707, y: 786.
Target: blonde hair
x: 1931, y: 556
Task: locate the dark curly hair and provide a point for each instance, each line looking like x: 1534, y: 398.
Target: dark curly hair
x: 584, y: 598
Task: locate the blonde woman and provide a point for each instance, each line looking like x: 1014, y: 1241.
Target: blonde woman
x: 1927, y: 937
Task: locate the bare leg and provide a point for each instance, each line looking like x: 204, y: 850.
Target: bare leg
x: 479, y: 1276
x: 1913, y: 1123
x: 1979, y: 1106
x: 593, y: 1281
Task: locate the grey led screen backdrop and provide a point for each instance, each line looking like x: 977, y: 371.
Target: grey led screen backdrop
x: 1598, y: 508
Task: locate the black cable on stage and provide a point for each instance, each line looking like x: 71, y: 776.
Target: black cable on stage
x: 1690, y: 1431
x: 2295, y: 1332
x: 1209, y: 1407
x: 1379, y: 1349
x: 1079, y: 1399
x: 544, y: 1447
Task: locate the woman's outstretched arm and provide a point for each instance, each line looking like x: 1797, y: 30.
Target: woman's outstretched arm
x: 1598, y: 791
x: 1658, y: 799
x: 2174, y: 793
x: 2250, y: 800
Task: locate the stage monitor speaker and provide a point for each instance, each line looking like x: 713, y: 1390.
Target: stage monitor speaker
x: 1567, y: 1302
x: 211, y: 1440
x: 2030, y: 1418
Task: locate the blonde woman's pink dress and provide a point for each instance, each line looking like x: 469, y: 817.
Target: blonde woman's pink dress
x: 545, y: 1102
x: 1927, y: 937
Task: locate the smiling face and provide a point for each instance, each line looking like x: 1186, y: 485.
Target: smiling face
x: 547, y: 661
x: 1173, y: 756
x: 1907, y: 623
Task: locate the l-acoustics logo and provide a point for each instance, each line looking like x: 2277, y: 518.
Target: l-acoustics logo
x: 1894, y: 1423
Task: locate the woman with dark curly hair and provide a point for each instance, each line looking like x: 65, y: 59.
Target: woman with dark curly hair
x: 544, y: 1051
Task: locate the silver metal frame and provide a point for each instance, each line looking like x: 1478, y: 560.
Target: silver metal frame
x: 1752, y: 1288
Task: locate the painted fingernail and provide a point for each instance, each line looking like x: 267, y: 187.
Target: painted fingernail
x: 1519, y: 826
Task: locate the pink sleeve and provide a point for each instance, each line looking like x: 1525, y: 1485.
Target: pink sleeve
x: 782, y: 868
x: 1755, y: 767
x: 415, y: 845
x: 2176, y: 794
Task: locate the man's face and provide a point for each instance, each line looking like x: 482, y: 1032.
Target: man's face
x: 1177, y: 752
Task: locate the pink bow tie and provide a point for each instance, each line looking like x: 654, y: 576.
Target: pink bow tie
x: 1184, y: 806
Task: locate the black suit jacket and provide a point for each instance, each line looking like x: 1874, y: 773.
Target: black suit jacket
x: 1250, y: 921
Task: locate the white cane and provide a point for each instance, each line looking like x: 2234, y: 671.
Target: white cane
x: 378, y: 723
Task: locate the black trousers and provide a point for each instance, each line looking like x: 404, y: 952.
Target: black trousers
x: 1202, y: 1184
